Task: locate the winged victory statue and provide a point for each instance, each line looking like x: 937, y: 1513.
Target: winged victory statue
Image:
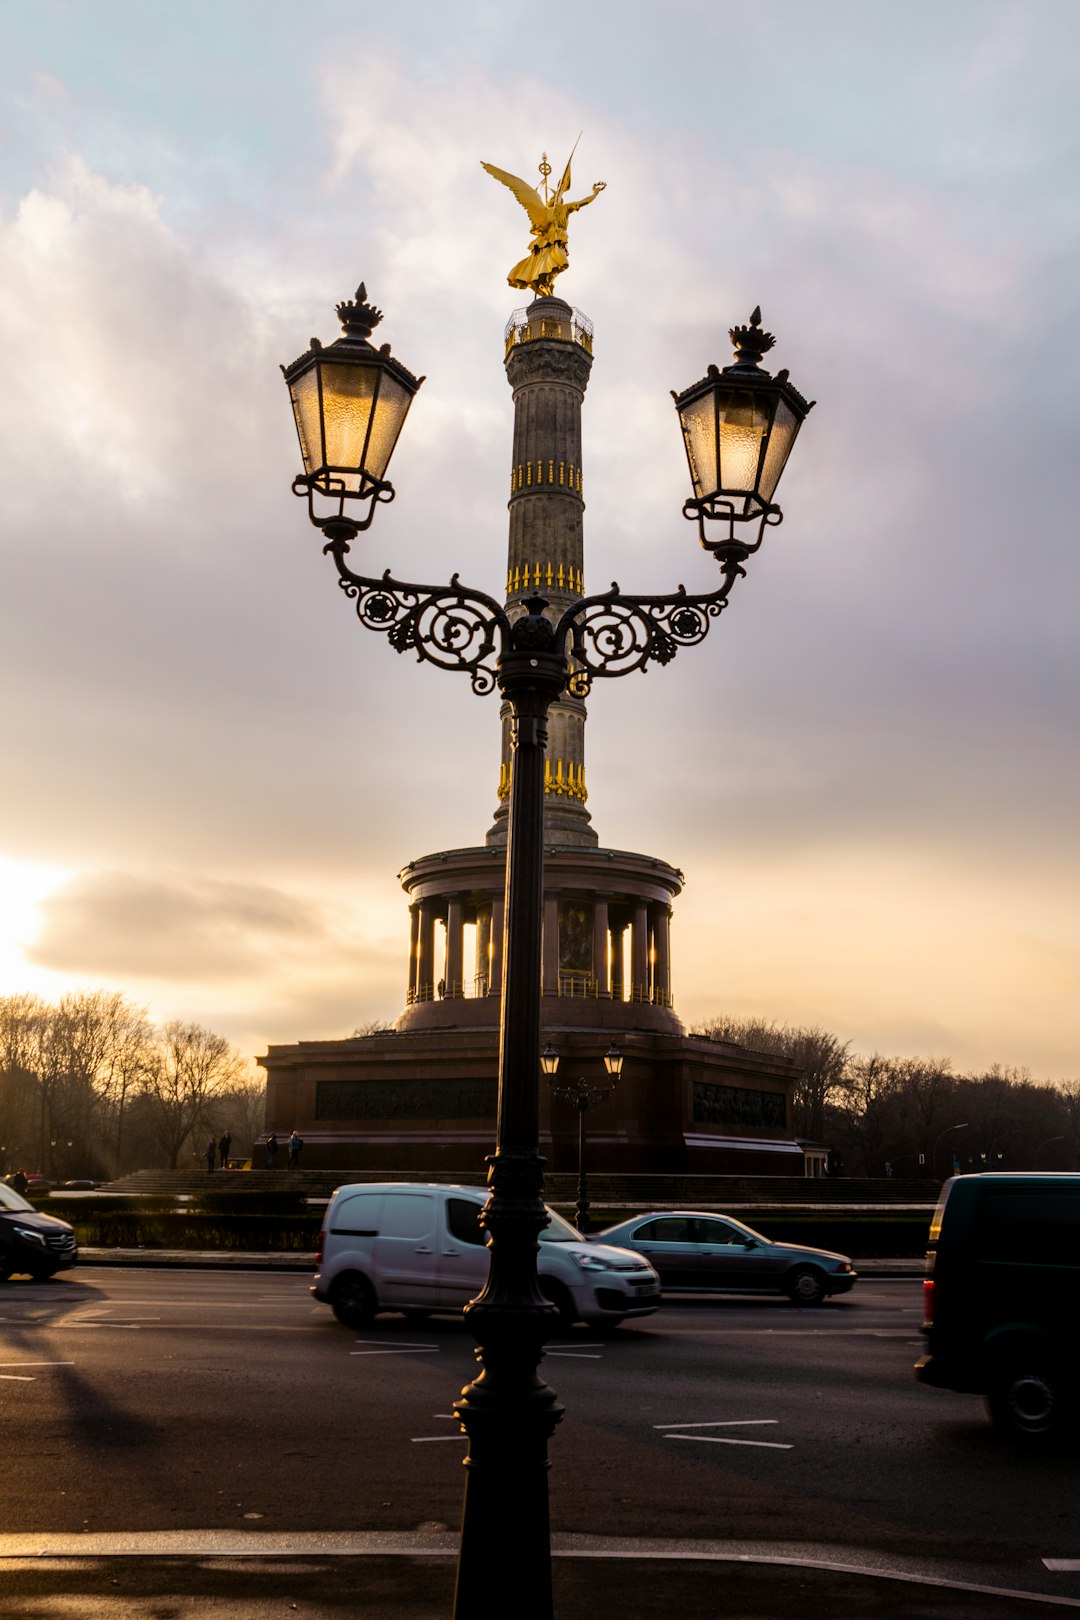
x: 549, y: 217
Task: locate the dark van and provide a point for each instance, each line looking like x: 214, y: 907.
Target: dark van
x: 1002, y: 1299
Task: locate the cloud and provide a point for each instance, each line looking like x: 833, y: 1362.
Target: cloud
x: 116, y: 925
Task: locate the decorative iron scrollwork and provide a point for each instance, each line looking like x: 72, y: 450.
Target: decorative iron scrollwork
x: 447, y: 625
x: 612, y: 634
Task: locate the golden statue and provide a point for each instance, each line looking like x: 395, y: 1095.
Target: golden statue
x: 549, y: 217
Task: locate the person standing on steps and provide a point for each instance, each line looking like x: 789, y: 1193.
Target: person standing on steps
x: 296, y: 1144
x: 223, y: 1150
x: 271, y: 1151
x: 211, y: 1150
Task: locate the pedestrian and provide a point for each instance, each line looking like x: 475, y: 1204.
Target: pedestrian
x: 296, y: 1144
x: 19, y: 1181
x: 223, y: 1150
x: 211, y: 1150
x: 271, y: 1151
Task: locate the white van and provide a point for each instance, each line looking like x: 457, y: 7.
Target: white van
x: 399, y: 1246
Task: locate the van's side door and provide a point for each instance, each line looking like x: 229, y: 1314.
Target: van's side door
x: 463, y: 1255
x: 406, y: 1257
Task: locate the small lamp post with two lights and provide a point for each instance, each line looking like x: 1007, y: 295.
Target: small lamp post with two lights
x: 739, y: 424
x: 584, y: 1094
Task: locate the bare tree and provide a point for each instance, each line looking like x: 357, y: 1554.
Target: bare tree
x: 189, y: 1069
x: 820, y: 1057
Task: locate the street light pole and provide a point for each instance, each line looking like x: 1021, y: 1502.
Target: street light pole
x: 938, y: 1142
x: 349, y: 402
x: 582, y: 1095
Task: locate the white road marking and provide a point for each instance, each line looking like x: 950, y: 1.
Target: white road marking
x: 575, y: 1355
x: 37, y: 1364
x: 726, y: 1423
x: 389, y: 1348
x: 724, y: 1440
x: 430, y: 1439
x: 17, y: 1378
x: 1064, y: 1566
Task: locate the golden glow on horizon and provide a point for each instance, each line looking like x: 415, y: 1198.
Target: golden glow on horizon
x: 24, y: 886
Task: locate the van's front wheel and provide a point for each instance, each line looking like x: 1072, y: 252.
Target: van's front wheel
x: 352, y: 1301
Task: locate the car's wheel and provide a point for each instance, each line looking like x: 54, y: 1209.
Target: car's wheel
x: 352, y: 1300
x: 805, y: 1286
x: 1027, y: 1400
x: 565, y: 1312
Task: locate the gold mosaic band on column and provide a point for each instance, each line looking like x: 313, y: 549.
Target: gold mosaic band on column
x: 540, y: 574
x: 562, y: 779
x: 552, y: 474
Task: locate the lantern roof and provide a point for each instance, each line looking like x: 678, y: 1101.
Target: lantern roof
x: 751, y: 344
x: 358, y: 320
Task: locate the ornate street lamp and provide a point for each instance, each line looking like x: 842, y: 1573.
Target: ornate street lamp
x: 349, y: 402
x: 739, y: 426
x: 583, y: 1094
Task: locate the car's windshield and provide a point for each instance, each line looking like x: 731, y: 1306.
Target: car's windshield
x: 560, y: 1231
x: 10, y: 1199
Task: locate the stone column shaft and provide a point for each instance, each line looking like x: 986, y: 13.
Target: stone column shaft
x: 639, y: 955
x: 498, y: 910
x: 551, y: 945
x: 663, y: 956
x: 600, y: 946
x: 414, y: 936
x: 548, y: 366
x: 425, y: 960
x: 455, y: 949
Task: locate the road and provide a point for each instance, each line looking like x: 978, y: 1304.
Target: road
x: 210, y: 1402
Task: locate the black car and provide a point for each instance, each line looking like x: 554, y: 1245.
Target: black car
x: 693, y: 1249
x: 32, y: 1243
x: 1002, y: 1299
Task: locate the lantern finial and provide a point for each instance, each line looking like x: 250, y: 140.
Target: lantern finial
x: 751, y: 343
x: 358, y: 318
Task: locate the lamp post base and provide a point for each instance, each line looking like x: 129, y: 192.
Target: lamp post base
x: 508, y: 1412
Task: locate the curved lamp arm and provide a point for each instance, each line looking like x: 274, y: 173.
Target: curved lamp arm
x: 612, y: 634
x: 448, y: 625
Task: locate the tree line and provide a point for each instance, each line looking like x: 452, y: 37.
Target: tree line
x: 89, y: 1087
x: 910, y: 1116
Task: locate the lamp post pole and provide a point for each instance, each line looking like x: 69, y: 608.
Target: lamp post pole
x: 582, y: 1095
x: 948, y: 1129
x: 350, y: 401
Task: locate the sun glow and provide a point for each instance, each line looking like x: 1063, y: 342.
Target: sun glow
x: 24, y: 886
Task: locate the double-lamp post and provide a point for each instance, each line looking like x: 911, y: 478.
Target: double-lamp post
x: 582, y: 1094
x: 350, y: 400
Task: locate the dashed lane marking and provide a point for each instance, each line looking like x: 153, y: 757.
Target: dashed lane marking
x: 28, y: 1378
x: 722, y: 1439
x: 1063, y: 1566
x: 728, y: 1440
x: 725, y: 1423
x: 381, y: 1347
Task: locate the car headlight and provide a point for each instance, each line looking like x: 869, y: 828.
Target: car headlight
x: 26, y: 1232
x: 591, y: 1262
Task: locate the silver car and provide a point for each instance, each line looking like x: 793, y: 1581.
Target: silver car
x: 692, y: 1249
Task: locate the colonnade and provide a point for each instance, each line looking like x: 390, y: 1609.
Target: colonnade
x: 607, y: 970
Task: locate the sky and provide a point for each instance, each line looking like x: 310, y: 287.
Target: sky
x: 869, y: 772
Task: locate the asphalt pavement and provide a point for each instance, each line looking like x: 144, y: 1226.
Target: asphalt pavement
x: 600, y: 1584
x: 226, y: 1575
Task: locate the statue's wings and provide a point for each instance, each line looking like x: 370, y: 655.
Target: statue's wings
x: 527, y: 195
